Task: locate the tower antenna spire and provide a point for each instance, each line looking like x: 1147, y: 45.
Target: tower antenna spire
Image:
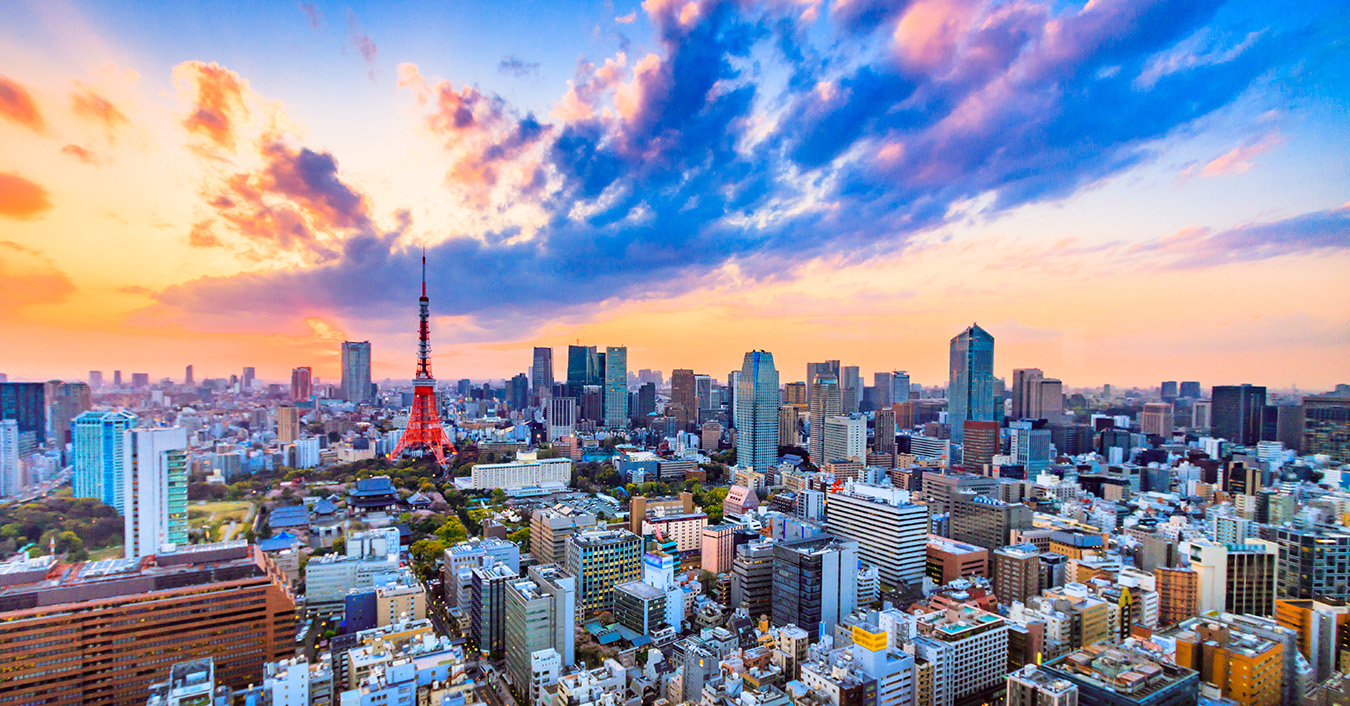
x: 424, y: 270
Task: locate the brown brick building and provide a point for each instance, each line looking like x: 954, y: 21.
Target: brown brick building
x: 1178, y: 595
x: 100, y: 633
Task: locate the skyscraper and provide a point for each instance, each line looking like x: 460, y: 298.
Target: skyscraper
x: 25, y: 403
x: 815, y: 582
x: 1023, y: 380
x: 703, y: 391
x: 1326, y: 427
x: 302, y: 383
x: 541, y: 373
x: 356, y: 371
x: 11, y: 479
x: 518, y: 392
x: 683, y: 396
x: 1237, y: 413
x: 646, y: 401
x: 824, y: 403
x: 583, y: 368
x: 787, y: 425
x: 187, y: 377
x: 891, y: 532
x: 982, y: 444
x: 616, y: 386
x: 1157, y: 419
x: 602, y: 559
x: 540, y: 613
x: 899, y: 386
x: 67, y: 401
x: 757, y: 413
x: 731, y: 394
x: 884, y: 384
x: 845, y: 438
x: 850, y: 389
x: 288, y: 424
x: 250, y: 373
x: 814, y: 370
x: 98, y: 459
x: 562, y: 417
x: 117, y: 378
x: 96, y: 379
x: 154, y: 489
x: 970, y: 392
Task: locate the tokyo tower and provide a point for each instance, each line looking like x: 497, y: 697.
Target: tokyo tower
x: 424, y: 422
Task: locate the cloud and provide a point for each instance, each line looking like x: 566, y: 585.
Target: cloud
x: 363, y: 45
x: 492, y: 151
x: 742, y: 144
x: 626, y: 19
x: 81, y: 154
x: 20, y: 198
x: 217, y: 99
x: 28, y: 278
x: 294, y: 206
x: 201, y: 236
x: 1194, y: 248
x: 310, y: 179
x: 515, y: 66
x: 1237, y: 160
x: 90, y: 105
x: 17, y: 105
x: 312, y: 13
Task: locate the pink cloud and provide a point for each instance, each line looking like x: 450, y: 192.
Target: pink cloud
x: 217, y: 98
x: 363, y: 44
x: 80, y: 153
x: 1239, y: 159
x: 17, y: 105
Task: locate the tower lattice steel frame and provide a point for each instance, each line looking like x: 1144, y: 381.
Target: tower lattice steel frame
x: 424, y: 421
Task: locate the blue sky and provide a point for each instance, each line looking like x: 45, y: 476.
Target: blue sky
x: 624, y: 172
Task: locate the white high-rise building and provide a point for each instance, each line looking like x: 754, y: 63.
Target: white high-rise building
x: 845, y: 438
x: 892, y: 533
x: 562, y: 418
x: 756, y: 405
x: 154, y: 490
x: 10, y: 474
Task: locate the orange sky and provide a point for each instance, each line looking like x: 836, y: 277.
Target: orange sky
x: 124, y: 174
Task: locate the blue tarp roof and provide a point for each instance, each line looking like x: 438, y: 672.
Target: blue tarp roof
x: 289, y: 516
x: 283, y: 540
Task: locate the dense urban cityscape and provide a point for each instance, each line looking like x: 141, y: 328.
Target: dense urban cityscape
x: 598, y: 535
x: 674, y: 353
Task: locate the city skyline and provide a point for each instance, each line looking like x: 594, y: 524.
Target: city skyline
x: 261, y: 186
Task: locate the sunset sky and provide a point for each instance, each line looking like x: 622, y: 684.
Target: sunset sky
x: 1122, y: 191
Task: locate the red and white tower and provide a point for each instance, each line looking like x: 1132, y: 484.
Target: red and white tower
x: 424, y: 430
